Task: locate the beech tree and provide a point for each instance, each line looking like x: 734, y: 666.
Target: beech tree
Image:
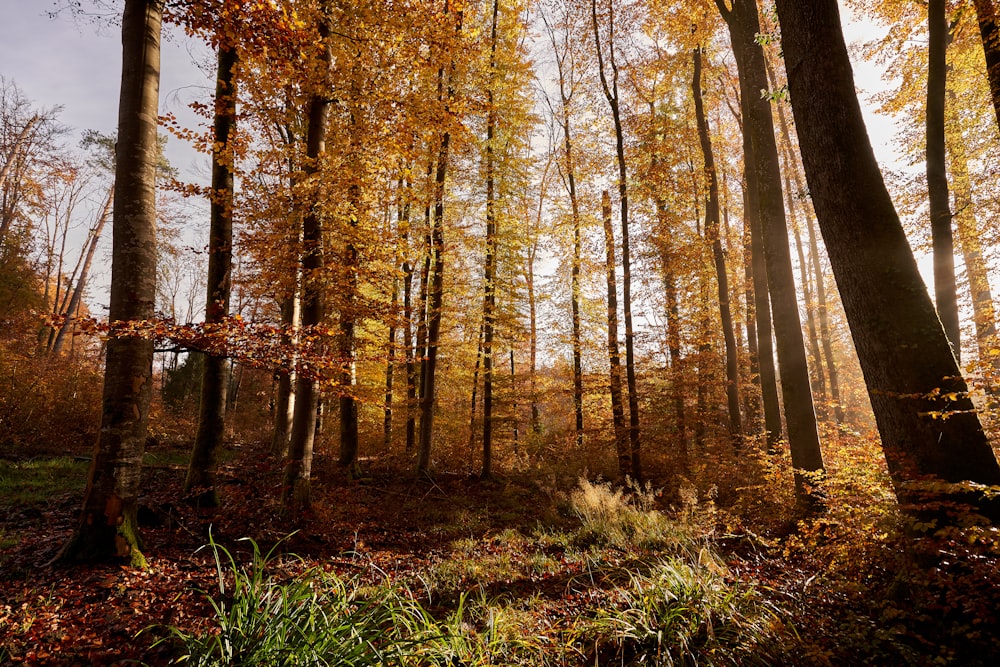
x: 928, y: 424
x: 800, y: 416
x: 107, y: 528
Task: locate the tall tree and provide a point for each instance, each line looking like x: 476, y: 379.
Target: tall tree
x: 912, y: 376
x: 713, y: 236
x: 108, y: 528
x: 295, y: 491
x: 800, y: 415
x: 201, y: 475
x: 614, y: 355
x: 611, y: 94
x: 490, y: 265
x: 565, y: 61
x: 436, y: 247
x: 945, y: 289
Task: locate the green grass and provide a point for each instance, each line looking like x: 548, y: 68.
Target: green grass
x: 646, y: 590
x: 36, y: 482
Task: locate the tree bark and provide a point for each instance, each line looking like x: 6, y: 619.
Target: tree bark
x: 614, y: 356
x: 108, y: 528
x: 912, y: 376
x: 201, y: 475
x: 490, y: 268
x: 611, y: 94
x: 713, y: 236
x: 989, y: 30
x: 800, y: 415
x: 945, y: 289
x: 295, y: 491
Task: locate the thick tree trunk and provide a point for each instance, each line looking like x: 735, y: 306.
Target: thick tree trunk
x: 800, y: 415
x: 713, y: 236
x: 945, y: 289
x: 295, y: 491
x: 201, y: 475
x: 614, y: 356
x: 912, y: 376
x: 107, y: 528
x: 989, y: 29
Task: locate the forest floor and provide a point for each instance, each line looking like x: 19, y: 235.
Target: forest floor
x: 446, y: 538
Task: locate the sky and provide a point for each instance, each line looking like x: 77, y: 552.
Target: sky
x: 76, y: 63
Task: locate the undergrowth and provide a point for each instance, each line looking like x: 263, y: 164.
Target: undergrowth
x: 630, y: 586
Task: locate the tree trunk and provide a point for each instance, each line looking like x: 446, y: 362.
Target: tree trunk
x: 107, y: 528
x: 284, y: 402
x: 617, y: 404
x: 912, y: 376
x: 201, y: 475
x: 800, y: 415
x: 490, y: 269
x: 611, y: 94
x: 81, y: 281
x: 295, y: 491
x: 713, y: 236
x: 989, y: 29
x: 945, y: 289
x: 967, y: 226
x: 762, y: 302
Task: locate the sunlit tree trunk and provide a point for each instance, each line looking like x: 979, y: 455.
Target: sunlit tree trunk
x: 295, y: 491
x: 912, y: 376
x: 613, y: 98
x: 800, y: 415
x: 614, y: 356
x: 107, y: 528
x: 713, y: 236
x: 201, y: 475
x: 967, y: 226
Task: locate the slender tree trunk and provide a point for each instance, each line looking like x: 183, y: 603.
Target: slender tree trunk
x: 202, y: 470
x: 474, y: 401
x: 390, y: 367
x: 673, y: 331
x: 81, y: 282
x: 284, y: 402
x: 912, y: 376
x: 800, y: 415
x: 713, y: 236
x: 989, y: 29
x: 751, y: 388
x: 967, y: 226
x: 819, y: 386
x: 490, y: 269
x: 945, y: 288
x: 611, y: 94
x: 617, y: 404
x: 295, y: 492
x: 107, y: 528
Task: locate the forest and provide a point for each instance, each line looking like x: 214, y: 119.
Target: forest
x: 508, y: 332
